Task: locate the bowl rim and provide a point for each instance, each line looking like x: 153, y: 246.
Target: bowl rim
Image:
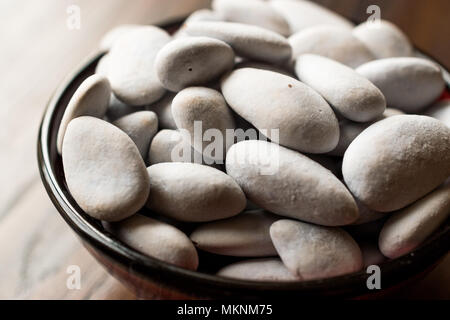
x: 393, y: 271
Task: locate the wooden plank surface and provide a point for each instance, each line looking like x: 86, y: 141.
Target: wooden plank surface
x: 38, y: 50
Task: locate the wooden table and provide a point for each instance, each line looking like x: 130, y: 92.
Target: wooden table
x: 38, y: 50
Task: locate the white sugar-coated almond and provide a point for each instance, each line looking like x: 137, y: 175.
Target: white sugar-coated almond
x: 141, y: 127
x: 407, y: 229
x: 352, y: 95
x: 90, y: 99
x: 265, y: 269
x: 156, y: 239
x: 396, y: 161
x: 304, y: 14
x: 315, y: 252
x: 384, y: 39
x: 408, y: 84
x: 440, y: 111
x: 193, y: 61
x: 247, y: 41
x: 290, y: 184
x: 332, y: 42
x: 254, y: 12
x: 108, y: 40
x: 193, y: 192
x: 103, y: 168
x: 197, y: 110
x: 117, y: 109
x: 169, y: 146
x: 246, y: 235
x: 163, y: 108
x: 132, y: 65
x: 271, y: 101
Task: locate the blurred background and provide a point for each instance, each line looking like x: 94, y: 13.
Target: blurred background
x: 37, y: 51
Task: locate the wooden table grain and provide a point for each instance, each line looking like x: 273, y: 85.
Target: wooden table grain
x: 38, y: 50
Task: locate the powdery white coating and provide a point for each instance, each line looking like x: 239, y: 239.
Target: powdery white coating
x: 193, y: 61
x: 247, y: 41
x: 440, y: 111
x: 90, y: 99
x: 407, y: 229
x: 315, y: 252
x: 266, y: 269
x: 163, y: 108
x: 141, y: 127
x: 104, y: 171
x: 270, y: 100
x: 253, y: 12
x: 165, y: 142
x: 246, y: 235
x: 332, y: 42
x: 110, y: 38
x: 352, y: 95
x: 131, y: 65
x: 304, y: 14
x: 384, y: 39
x: 396, y: 161
x: 156, y: 239
x: 193, y: 192
x: 295, y: 187
x: 409, y: 84
x: 207, y: 106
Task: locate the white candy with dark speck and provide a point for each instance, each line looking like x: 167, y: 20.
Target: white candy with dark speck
x: 193, y: 61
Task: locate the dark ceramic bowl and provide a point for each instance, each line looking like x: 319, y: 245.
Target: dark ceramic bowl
x: 151, y: 278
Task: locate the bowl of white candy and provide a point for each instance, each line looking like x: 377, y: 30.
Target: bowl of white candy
x: 256, y: 150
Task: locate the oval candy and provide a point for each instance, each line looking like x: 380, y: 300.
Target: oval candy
x: 396, y: 161
x: 290, y: 184
x: 104, y: 170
